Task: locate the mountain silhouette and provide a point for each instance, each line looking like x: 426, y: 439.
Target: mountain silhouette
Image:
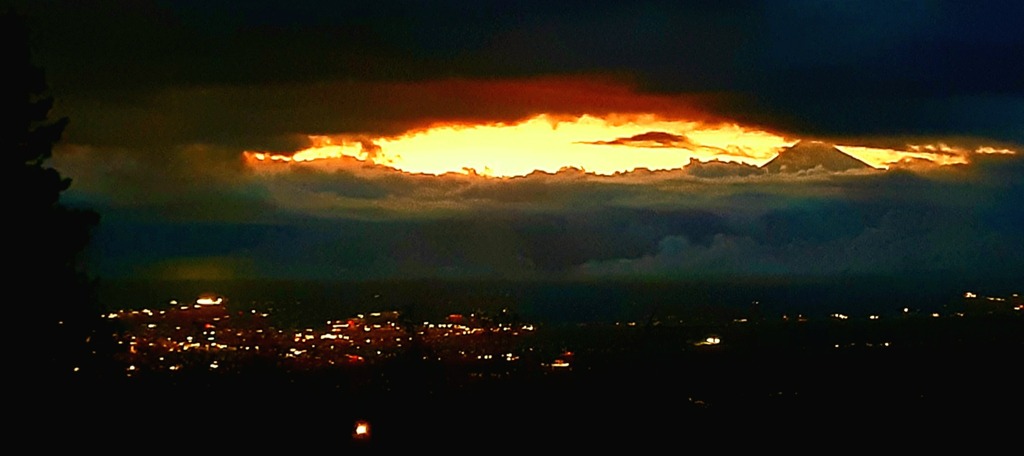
x: 808, y: 155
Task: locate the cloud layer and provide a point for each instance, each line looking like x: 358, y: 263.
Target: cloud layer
x: 164, y: 97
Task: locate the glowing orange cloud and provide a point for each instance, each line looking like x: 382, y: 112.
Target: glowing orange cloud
x: 598, y: 145
x: 940, y: 154
x: 886, y: 158
x: 550, y: 124
x: 993, y: 150
x: 546, y: 143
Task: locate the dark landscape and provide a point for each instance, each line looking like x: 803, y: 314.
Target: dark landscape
x: 449, y: 227
x: 682, y: 376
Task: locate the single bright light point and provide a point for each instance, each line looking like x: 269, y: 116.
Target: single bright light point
x: 362, y: 430
x: 209, y: 300
x: 710, y: 340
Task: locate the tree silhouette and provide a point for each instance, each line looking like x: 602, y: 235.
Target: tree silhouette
x: 53, y: 303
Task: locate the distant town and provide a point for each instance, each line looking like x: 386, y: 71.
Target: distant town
x: 205, y: 335
x: 386, y: 380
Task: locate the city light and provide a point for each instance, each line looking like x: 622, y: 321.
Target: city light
x: 361, y: 431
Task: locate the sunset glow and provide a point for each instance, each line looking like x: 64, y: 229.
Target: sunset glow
x: 884, y: 158
x: 545, y: 143
x: 597, y: 145
x: 425, y: 221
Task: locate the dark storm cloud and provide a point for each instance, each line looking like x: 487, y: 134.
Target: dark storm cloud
x: 145, y: 43
x: 959, y: 224
x: 888, y: 68
x: 496, y: 244
x: 189, y: 182
x: 278, y: 117
x: 812, y: 68
x: 163, y: 96
x: 716, y: 168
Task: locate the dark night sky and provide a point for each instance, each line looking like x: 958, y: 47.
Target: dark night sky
x: 164, y: 97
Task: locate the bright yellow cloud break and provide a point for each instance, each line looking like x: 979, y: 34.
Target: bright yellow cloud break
x: 604, y: 146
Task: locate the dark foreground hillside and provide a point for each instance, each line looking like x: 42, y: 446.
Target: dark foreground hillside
x: 917, y: 381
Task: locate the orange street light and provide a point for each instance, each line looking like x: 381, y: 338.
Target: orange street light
x: 361, y: 431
